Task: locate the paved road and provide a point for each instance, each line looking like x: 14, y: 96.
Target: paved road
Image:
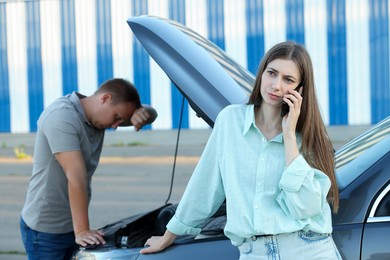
x: 134, y: 176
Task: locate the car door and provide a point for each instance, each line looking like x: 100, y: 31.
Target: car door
x: 376, y: 232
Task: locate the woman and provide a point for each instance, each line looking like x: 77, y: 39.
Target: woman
x: 276, y: 172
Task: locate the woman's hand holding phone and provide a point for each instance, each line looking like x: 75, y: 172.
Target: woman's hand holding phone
x: 289, y: 122
x: 285, y: 106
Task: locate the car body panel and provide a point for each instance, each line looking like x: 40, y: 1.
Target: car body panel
x: 215, y: 249
x: 348, y: 239
x: 110, y: 253
x: 208, y: 250
x: 361, y: 228
x: 376, y: 241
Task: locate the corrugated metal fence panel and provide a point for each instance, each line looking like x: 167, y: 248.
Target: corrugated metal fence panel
x: 50, y: 48
x: 160, y: 85
x: 178, y: 105
x: 379, y: 59
x: 254, y: 33
x: 195, y: 13
x: 316, y: 43
x: 51, y: 51
x: 337, y: 51
x: 34, y: 63
x: 17, y: 66
x: 141, y: 58
x: 358, y: 61
x: 5, y: 115
x: 68, y: 47
x: 94, y: 64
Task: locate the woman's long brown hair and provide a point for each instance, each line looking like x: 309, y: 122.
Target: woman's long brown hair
x: 316, y: 146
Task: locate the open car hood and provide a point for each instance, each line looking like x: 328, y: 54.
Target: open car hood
x: 202, y: 72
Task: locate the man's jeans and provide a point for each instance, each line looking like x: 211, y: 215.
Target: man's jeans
x: 46, y: 246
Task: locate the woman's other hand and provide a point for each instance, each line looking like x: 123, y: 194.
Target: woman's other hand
x: 159, y: 243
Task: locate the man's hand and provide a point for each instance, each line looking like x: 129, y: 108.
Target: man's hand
x: 73, y: 164
x: 90, y: 237
x: 140, y: 118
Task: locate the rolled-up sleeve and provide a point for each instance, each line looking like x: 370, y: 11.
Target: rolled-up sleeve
x: 303, y: 190
x: 177, y: 227
x: 204, y: 193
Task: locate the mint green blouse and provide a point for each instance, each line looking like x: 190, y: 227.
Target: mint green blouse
x: 263, y: 196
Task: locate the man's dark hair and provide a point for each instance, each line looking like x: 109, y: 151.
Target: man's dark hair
x: 121, y: 91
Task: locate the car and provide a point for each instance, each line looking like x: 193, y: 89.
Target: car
x: 210, y: 81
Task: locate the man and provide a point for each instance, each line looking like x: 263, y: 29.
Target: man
x: 67, y: 149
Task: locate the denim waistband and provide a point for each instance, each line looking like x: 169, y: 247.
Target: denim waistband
x: 255, y: 237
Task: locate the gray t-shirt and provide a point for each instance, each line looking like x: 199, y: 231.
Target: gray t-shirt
x: 62, y: 127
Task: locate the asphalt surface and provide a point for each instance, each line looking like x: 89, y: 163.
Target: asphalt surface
x: 134, y: 175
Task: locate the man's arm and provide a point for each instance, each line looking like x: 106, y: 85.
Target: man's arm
x: 72, y: 163
x: 142, y: 116
x: 152, y: 114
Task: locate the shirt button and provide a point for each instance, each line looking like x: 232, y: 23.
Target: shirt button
x: 258, y: 184
x: 256, y: 207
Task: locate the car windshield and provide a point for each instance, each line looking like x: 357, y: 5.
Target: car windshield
x: 366, y: 149
x: 363, y: 142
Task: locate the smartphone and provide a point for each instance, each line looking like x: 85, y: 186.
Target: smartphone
x: 285, y: 107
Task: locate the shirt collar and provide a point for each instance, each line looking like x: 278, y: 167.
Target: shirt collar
x: 249, y: 118
x: 278, y: 138
x: 74, y: 98
x: 250, y: 122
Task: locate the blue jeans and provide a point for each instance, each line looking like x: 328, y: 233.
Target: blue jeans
x: 46, y: 246
x: 290, y: 246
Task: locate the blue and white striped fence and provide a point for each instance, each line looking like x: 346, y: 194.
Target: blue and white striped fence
x: 51, y: 47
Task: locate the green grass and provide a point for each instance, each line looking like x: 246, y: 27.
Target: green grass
x: 131, y: 144
x: 12, y: 253
x: 137, y: 144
